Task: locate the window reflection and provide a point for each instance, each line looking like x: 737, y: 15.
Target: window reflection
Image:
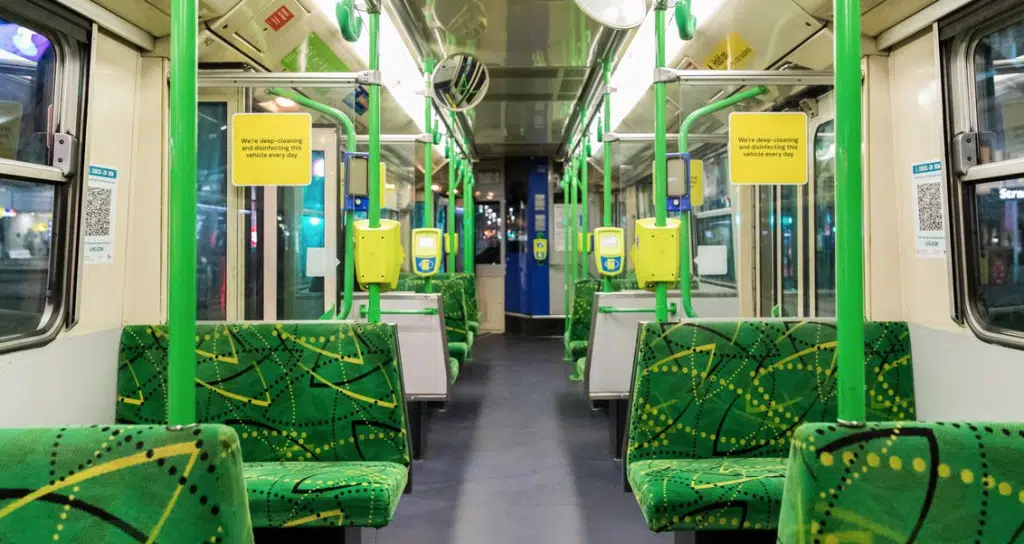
x: 26, y: 240
x: 825, y: 220
x: 301, y: 238
x: 27, y: 67
x: 488, y: 233
x: 1000, y: 266
x: 212, y: 212
x: 999, y: 72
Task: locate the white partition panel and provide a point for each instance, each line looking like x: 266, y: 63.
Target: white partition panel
x: 421, y: 342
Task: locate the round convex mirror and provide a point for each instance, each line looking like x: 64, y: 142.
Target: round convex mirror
x: 617, y: 14
x: 460, y: 82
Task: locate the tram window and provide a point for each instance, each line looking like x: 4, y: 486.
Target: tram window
x: 999, y: 267
x: 825, y: 220
x: 27, y: 65
x: 999, y: 76
x: 488, y: 233
x: 212, y: 217
x: 26, y: 250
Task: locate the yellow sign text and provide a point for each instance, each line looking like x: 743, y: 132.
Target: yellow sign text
x: 768, y: 148
x: 734, y: 53
x: 271, y: 149
x: 696, y: 183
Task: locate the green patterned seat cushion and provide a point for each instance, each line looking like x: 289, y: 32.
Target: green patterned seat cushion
x: 357, y: 494
x: 469, y: 287
x: 459, y: 351
x: 123, y: 484
x: 578, y: 349
x: 709, y: 494
x: 739, y: 389
x: 315, y: 391
x: 453, y: 368
x: 905, y: 482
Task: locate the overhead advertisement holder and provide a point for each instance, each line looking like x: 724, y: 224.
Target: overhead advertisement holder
x: 768, y: 148
x: 269, y: 149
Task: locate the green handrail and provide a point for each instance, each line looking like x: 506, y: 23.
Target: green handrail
x: 181, y: 296
x: 684, y: 147
x: 672, y: 309
x: 573, y: 227
x: 350, y: 133
x: 660, y: 154
x: 428, y: 159
x: 375, y: 196
x: 453, y: 187
x: 606, y: 282
x: 849, y: 212
x: 426, y: 311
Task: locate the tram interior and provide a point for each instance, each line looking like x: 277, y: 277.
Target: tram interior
x: 573, y: 271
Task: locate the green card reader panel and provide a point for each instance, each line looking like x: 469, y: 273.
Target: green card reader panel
x: 610, y: 250
x: 426, y: 251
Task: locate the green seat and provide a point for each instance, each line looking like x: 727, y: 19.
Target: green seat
x: 728, y: 395
x: 305, y: 399
x: 581, y: 318
x: 123, y: 484
x: 905, y: 482
x: 369, y: 492
x: 472, y: 305
x: 718, y: 493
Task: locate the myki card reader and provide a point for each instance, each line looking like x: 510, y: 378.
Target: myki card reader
x: 610, y: 250
x: 426, y: 251
x: 540, y: 249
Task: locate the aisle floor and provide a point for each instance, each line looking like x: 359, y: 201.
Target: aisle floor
x: 518, y: 457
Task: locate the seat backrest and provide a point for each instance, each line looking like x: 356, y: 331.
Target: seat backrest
x: 911, y: 482
x: 582, y: 308
x: 469, y: 286
x: 721, y: 388
x: 298, y: 391
x: 453, y: 297
x: 123, y: 484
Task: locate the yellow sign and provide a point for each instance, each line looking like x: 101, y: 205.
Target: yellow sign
x: 768, y: 148
x: 734, y: 53
x: 696, y: 183
x: 271, y: 149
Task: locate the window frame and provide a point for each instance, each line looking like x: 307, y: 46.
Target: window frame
x: 961, y: 103
x: 68, y: 105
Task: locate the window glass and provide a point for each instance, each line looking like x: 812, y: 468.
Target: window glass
x: 488, y: 233
x: 999, y: 267
x: 301, y: 234
x: 825, y: 220
x: 999, y: 74
x: 717, y: 231
x: 788, y: 224
x: 26, y: 243
x: 212, y: 216
x: 27, y: 65
x: 716, y: 183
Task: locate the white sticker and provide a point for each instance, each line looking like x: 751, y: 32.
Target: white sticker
x: 930, y: 231
x: 558, y: 224
x: 100, y: 207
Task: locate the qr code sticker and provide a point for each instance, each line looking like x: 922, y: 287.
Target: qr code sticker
x: 97, y: 211
x: 929, y: 207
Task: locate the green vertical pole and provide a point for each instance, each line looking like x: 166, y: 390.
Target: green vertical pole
x: 468, y: 251
x: 181, y: 318
x: 428, y: 158
x: 453, y: 186
x: 565, y: 266
x: 375, y: 196
x: 660, y: 153
x: 584, y: 198
x: 606, y: 283
x: 849, y: 213
x: 449, y: 226
x: 574, y: 222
